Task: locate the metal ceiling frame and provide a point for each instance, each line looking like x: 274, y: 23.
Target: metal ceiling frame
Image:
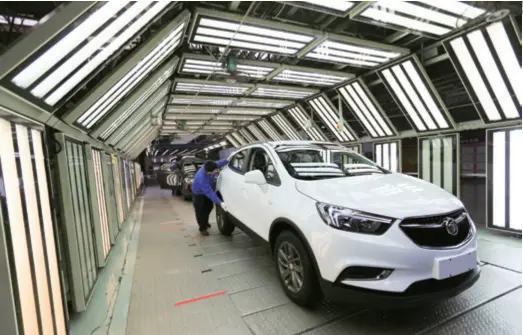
x: 321, y: 9
x: 204, y: 82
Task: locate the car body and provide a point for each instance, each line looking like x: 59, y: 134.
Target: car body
x: 185, y: 170
x: 368, y: 235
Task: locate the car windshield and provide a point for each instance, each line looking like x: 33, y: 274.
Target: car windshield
x: 317, y: 161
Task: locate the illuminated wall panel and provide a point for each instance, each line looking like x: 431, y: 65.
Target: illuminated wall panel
x: 29, y: 275
x: 102, y: 205
x: 439, y: 161
x: 504, y: 209
x: 388, y: 155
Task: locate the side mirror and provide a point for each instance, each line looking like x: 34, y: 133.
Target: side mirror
x: 255, y: 177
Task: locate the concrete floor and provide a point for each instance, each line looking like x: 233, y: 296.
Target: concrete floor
x: 180, y: 283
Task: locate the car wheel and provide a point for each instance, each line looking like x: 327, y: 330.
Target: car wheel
x: 224, y: 222
x: 295, y: 270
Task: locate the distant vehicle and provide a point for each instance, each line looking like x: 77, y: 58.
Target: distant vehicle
x: 185, y: 170
x: 344, y: 228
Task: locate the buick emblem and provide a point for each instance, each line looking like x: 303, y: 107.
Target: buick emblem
x: 451, y: 226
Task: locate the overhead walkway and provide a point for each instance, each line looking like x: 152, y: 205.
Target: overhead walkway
x: 186, y: 284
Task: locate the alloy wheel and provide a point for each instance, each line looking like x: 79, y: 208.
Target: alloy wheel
x: 290, y: 267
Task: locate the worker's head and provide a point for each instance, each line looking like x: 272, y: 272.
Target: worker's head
x: 211, y: 167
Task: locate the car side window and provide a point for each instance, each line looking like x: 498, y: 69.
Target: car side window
x: 260, y: 160
x: 237, y: 162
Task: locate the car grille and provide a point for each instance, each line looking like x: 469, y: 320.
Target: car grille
x: 431, y: 231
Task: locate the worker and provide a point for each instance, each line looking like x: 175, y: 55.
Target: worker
x: 204, y: 196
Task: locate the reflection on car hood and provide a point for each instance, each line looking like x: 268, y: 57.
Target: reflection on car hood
x: 393, y: 195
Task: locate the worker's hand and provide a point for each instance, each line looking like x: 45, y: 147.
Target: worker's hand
x: 224, y: 206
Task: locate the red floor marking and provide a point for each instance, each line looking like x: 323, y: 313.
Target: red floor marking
x: 203, y: 297
x: 172, y: 227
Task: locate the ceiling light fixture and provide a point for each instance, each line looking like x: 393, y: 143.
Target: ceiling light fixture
x: 306, y: 123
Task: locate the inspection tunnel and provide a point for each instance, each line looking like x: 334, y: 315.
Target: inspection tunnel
x: 108, y: 110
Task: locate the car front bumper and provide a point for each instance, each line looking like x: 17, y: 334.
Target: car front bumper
x: 423, y: 292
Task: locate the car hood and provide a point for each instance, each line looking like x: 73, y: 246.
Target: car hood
x: 393, y: 195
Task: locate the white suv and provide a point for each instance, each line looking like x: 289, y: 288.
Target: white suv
x: 344, y: 228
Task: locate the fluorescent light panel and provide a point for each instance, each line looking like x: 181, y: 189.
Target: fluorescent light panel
x: 238, y: 138
x: 233, y: 141
x: 247, y: 135
x: 283, y: 92
x: 301, y: 118
x: 132, y: 78
x: 360, y: 102
x: 197, y: 66
x: 494, y: 93
x: 263, y: 103
x: 256, y: 132
x: 138, y: 104
x: 286, y: 127
x: 437, y: 157
x: 225, y: 33
x: 428, y: 17
x: 387, y: 155
x: 313, y: 78
x: 333, y: 51
x: 338, y: 5
x: 412, y: 93
x: 269, y: 130
x: 200, y: 100
x: 331, y: 119
x: 19, y: 21
x: 209, y: 88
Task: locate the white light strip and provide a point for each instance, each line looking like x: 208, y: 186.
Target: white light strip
x: 331, y: 120
x: 256, y: 132
x: 132, y: 78
x: 310, y: 78
x: 281, y: 93
x: 457, y: 7
x: 210, y: 88
x: 338, y: 5
x: 129, y: 111
x: 263, y: 103
x: 20, y: 252
x: 102, y: 56
x: 19, y: 21
x: 48, y: 232
x: 346, y: 53
x: 86, y: 52
x: 300, y: 117
x: 286, y: 127
x: 231, y: 140
x: 67, y: 44
x: 207, y: 67
x: 515, y: 178
x: 247, y: 136
x: 247, y: 36
x: 361, y: 104
x: 238, y: 138
x: 266, y: 126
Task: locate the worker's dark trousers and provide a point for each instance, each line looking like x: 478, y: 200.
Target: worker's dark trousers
x: 202, y: 207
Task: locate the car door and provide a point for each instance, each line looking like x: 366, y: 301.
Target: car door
x: 230, y: 181
x: 262, y: 201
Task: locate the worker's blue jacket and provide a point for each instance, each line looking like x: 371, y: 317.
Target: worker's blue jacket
x: 203, y: 183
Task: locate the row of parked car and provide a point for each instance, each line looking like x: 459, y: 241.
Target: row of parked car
x: 180, y: 175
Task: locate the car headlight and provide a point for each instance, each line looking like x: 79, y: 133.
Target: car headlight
x: 353, y: 221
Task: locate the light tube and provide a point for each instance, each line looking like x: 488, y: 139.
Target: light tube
x: 379, y: 155
x: 19, y: 21
x: 477, y: 83
x: 300, y: 117
x: 312, y: 78
x: 338, y: 5
x: 86, y: 52
x: 363, y: 116
x: 403, y: 99
x: 200, y: 101
x: 328, y: 114
x: 394, y: 156
x: 244, y: 45
x: 457, y: 7
x: 245, y: 37
x: 269, y: 130
x: 425, y: 95
x: 506, y: 54
x: 285, y: 127
x: 231, y: 140
x: 48, y: 232
x: 263, y: 103
x: 493, y: 76
x: 410, y: 91
x: 238, y: 138
x: 115, y: 45
x: 256, y: 132
x: 247, y: 136
x: 281, y: 93
x: 325, y: 118
x: 515, y: 180
x: 131, y: 79
x: 498, y: 179
x: 373, y: 111
x: 210, y: 88
x: 67, y: 44
x: 422, y: 13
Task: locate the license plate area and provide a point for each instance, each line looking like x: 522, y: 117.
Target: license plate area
x: 446, y: 267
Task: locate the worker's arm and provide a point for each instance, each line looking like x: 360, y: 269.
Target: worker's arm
x: 221, y: 163
x: 209, y: 193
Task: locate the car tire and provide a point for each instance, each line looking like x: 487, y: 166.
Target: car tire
x: 224, y: 222
x: 309, y: 293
